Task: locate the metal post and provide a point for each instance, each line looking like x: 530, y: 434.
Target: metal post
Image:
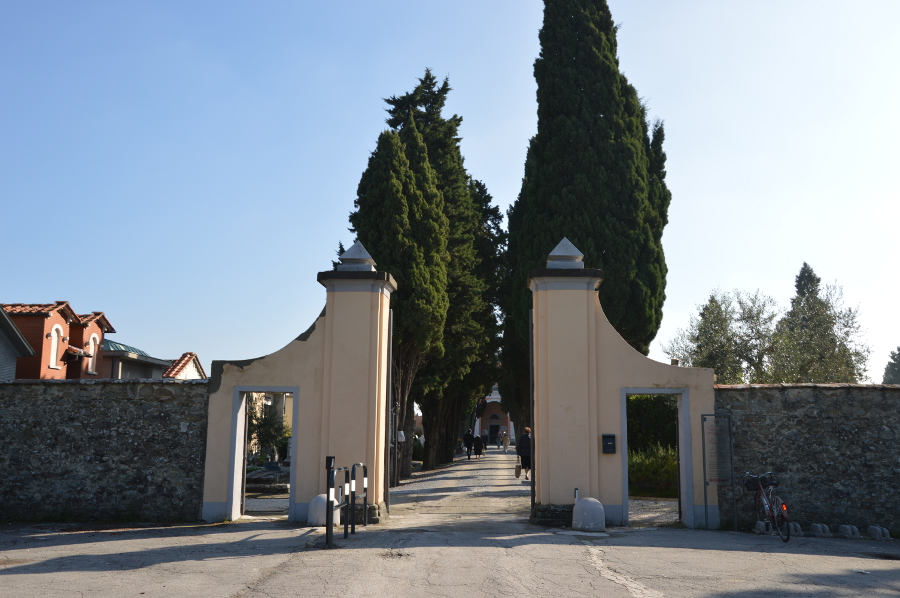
x: 353, y: 496
x: 346, y: 501
x: 329, y: 506
x: 705, y: 477
x: 733, y: 488
x: 531, y: 399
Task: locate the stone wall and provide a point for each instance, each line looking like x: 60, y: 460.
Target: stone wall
x: 102, y: 450
x: 834, y: 448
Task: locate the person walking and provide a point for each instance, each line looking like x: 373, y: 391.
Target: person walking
x: 523, y: 449
x: 505, y: 442
x: 479, y: 446
x: 468, y: 441
x: 484, y: 440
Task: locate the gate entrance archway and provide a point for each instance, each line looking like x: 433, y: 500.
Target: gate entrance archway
x: 583, y: 373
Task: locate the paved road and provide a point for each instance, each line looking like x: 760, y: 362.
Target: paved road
x: 460, y: 531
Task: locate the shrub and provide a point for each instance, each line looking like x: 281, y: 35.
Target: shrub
x: 418, y: 451
x: 654, y: 467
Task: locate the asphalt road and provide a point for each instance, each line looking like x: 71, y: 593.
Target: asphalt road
x: 460, y: 531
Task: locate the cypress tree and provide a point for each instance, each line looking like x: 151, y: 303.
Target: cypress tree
x: 595, y: 173
x: 445, y: 387
x: 399, y: 218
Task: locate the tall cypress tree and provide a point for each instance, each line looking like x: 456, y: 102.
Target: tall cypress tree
x: 595, y: 173
x: 444, y: 386
x: 399, y: 218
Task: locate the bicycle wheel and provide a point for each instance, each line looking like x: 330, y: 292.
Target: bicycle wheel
x: 782, y: 522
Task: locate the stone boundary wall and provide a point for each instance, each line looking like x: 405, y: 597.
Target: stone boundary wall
x: 102, y: 449
x: 834, y: 448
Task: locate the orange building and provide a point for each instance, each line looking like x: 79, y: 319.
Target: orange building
x: 66, y: 345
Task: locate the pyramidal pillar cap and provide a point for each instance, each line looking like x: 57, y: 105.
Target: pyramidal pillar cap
x: 356, y: 259
x: 565, y: 256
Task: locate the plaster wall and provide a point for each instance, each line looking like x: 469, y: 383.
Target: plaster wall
x: 584, y: 371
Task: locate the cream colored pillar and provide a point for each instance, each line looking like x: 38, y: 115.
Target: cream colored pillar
x: 356, y: 376
x: 565, y: 385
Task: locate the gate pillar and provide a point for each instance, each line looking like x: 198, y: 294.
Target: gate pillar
x: 583, y: 372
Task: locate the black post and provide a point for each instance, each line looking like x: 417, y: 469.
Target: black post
x: 353, y: 496
x: 733, y: 488
x: 329, y: 506
x: 346, y: 501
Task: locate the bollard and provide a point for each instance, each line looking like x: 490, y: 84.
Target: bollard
x: 354, y: 496
x: 330, y: 507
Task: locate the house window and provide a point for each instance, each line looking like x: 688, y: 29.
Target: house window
x: 55, y: 337
x: 494, y: 416
x: 92, y: 349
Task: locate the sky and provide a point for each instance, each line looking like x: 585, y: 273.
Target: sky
x: 188, y: 167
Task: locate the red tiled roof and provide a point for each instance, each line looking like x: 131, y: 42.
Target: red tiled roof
x: 41, y: 309
x: 98, y: 317
x: 181, y: 363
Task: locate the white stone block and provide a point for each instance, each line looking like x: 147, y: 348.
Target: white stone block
x: 820, y: 530
x: 874, y: 532
x: 589, y: 516
x: 760, y: 527
x: 318, y: 506
x: 848, y: 531
x: 796, y: 531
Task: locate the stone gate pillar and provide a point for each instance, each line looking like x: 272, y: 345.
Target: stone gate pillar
x: 355, y: 373
x: 565, y: 385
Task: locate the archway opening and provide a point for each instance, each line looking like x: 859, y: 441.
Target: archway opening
x: 653, y: 471
x: 265, y: 488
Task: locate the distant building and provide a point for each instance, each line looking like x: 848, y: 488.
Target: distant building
x: 65, y: 344
x: 49, y: 341
x: 494, y: 420
x: 124, y: 362
x: 12, y: 346
x: 186, y: 367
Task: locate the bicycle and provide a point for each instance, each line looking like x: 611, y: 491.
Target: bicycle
x: 769, y: 508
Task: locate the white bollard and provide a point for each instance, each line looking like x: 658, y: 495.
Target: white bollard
x: 589, y: 516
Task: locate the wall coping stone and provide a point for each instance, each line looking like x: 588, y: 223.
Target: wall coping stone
x: 804, y: 385
x: 105, y: 381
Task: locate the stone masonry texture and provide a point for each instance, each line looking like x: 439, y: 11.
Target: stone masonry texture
x: 834, y: 448
x: 102, y: 450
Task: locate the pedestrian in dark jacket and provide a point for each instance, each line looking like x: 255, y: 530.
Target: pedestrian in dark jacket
x: 468, y: 440
x: 523, y: 449
x: 479, y: 447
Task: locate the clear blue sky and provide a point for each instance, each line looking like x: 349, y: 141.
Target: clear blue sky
x: 188, y: 167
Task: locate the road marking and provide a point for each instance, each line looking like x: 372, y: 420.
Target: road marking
x: 634, y: 588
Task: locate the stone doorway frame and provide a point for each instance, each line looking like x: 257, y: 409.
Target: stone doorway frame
x: 238, y: 436
x: 685, y: 467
